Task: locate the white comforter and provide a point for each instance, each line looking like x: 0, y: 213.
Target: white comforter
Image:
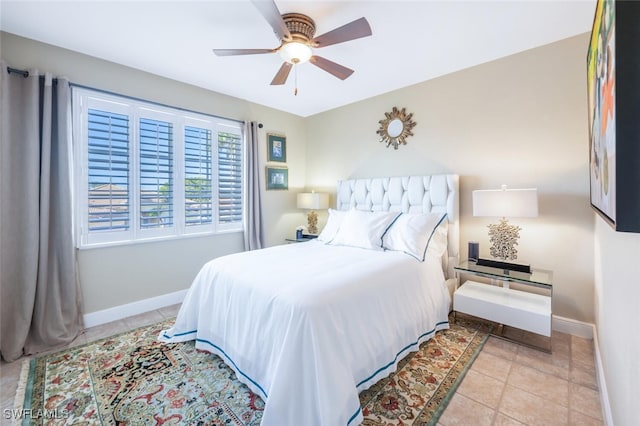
x: 307, y: 326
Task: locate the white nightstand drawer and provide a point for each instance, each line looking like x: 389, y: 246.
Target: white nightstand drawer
x: 527, y: 311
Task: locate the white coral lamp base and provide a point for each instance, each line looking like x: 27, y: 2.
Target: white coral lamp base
x: 504, y: 239
x: 312, y: 222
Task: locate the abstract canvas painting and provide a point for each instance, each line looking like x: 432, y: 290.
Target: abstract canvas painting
x: 613, y: 84
x: 601, y: 80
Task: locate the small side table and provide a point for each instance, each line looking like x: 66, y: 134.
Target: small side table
x: 304, y: 239
x: 297, y: 240
x: 508, y: 307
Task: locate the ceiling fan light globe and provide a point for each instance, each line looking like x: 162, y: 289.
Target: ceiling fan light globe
x: 295, y: 52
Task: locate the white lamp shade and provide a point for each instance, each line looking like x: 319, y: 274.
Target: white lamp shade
x: 505, y: 202
x: 313, y: 200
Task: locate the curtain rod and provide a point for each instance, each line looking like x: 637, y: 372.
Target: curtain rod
x: 23, y: 73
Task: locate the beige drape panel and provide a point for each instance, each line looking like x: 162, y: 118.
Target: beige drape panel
x: 40, y: 296
x: 253, y: 228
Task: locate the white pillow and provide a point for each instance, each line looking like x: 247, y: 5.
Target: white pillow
x: 415, y: 234
x: 439, y: 240
x: 363, y: 229
x: 333, y: 223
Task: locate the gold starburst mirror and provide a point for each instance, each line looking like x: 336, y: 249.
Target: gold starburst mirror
x: 396, y: 127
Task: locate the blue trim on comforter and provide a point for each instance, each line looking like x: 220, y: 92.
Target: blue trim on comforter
x: 355, y: 414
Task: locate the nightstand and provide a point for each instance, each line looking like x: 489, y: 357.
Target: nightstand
x: 296, y: 240
x: 522, y: 316
x: 304, y: 239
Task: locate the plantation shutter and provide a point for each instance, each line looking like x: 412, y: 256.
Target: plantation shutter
x: 229, y: 177
x: 198, y: 194
x: 149, y: 172
x: 156, y: 173
x: 108, y: 171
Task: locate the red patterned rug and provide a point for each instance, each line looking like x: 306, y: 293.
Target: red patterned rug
x: 133, y: 379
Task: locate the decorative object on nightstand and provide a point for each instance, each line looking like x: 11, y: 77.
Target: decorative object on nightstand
x: 313, y: 201
x: 474, y: 250
x: 505, y: 203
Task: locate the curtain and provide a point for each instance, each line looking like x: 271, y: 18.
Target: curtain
x: 40, y: 295
x: 253, y: 228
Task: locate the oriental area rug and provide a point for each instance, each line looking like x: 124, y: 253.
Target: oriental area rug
x: 133, y: 379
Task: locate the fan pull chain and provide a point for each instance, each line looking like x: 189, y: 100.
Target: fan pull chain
x: 295, y: 76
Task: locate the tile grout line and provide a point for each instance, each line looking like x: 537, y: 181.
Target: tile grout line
x: 472, y: 398
x: 569, y: 391
x: 571, y: 366
x: 504, y: 388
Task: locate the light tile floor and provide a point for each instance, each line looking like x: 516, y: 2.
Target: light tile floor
x: 508, y: 384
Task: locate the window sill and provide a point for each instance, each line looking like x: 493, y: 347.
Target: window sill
x: 157, y: 239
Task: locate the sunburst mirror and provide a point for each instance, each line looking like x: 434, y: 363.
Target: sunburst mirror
x: 396, y: 127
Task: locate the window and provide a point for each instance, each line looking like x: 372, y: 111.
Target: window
x: 156, y: 174
x: 108, y: 176
x: 198, y: 207
x: 229, y: 177
x: 145, y: 171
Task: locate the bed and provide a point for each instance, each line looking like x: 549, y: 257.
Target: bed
x: 308, y: 326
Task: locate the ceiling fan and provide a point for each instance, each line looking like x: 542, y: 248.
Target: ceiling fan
x: 295, y: 32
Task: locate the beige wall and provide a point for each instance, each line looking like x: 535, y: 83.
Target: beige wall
x: 520, y: 121
x: 118, y: 275
x: 617, y: 303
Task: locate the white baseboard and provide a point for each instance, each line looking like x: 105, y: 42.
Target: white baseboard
x: 141, y: 306
x: 573, y: 327
x: 602, y: 383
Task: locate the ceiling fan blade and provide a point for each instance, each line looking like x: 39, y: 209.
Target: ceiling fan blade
x: 233, y: 52
x: 351, y: 31
x: 282, y: 74
x: 270, y: 11
x: 331, y: 67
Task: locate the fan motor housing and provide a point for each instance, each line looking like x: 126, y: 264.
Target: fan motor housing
x: 301, y: 27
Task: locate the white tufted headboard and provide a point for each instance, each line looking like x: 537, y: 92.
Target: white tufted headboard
x: 408, y: 194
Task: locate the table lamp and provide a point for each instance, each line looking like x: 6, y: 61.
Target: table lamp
x: 505, y: 203
x: 313, y: 201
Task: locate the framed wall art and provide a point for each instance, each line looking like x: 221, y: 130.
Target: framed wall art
x: 277, y: 178
x: 277, y: 148
x: 613, y: 87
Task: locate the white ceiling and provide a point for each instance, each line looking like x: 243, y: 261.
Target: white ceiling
x: 412, y: 41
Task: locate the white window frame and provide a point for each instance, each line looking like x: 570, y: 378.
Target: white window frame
x: 85, y: 99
